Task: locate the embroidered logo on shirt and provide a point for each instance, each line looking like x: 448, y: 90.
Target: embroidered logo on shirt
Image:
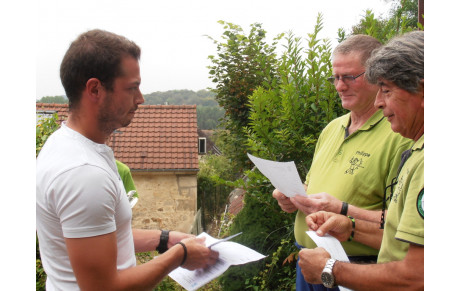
x: 421, y: 203
x: 356, y: 162
x: 399, y: 189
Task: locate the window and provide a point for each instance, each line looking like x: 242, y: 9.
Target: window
x: 202, y: 145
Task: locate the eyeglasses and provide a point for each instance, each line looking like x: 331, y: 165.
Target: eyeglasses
x: 346, y: 79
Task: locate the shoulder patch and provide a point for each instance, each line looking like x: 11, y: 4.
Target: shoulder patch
x: 421, y: 204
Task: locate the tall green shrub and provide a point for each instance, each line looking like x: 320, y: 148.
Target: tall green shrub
x: 286, y: 119
x: 402, y: 18
x: 243, y: 63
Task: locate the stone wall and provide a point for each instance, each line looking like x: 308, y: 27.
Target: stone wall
x: 166, y: 200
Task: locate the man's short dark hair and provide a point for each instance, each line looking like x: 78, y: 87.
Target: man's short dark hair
x: 94, y: 54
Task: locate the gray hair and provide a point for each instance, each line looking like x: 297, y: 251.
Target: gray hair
x: 401, y: 62
x: 359, y: 43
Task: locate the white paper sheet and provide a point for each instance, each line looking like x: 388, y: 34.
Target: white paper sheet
x: 332, y: 246
x: 282, y: 175
x: 230, y: 253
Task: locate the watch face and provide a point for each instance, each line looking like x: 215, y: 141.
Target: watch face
x: 328, y: 280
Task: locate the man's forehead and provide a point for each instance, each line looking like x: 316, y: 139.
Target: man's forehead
x: 347, y: 63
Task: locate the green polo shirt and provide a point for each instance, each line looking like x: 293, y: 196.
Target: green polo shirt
x: 354, y: 169
x: 405, y: 218
x: 126, y: 177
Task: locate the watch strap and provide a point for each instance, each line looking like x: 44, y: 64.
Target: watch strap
x: 344, y: 210
x: 164, y: 238
x: 328, y: 269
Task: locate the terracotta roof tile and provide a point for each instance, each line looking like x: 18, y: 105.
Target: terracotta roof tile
x: 159, y: 138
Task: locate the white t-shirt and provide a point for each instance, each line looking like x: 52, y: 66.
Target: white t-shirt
x: 79, y: 194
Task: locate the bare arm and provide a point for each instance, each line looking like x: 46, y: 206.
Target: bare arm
x: 94, y: 261
x: 326, y: 202
x: 148, y: 240
x: 363, y: 214
x: 407, y: 274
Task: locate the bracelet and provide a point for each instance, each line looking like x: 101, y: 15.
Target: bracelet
x: 164, y: 238
x: 352, y: 228
x: 185, y: 253
x: 344, y: 210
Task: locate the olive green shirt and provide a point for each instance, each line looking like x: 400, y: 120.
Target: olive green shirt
x: 126, y: 177
x: 405, y: 218
x: 354, y: 169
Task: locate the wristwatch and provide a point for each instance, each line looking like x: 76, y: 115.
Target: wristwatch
x: 164, y: 238
x: 326, y: 276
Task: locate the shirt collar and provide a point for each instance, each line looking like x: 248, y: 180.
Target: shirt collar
x: 419, y: 144
x: 371, y: 122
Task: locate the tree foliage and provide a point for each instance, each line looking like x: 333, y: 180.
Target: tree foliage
x: 286, y: 119
x: 403, y: 17
x: 54, y: 99
x: 44, y: 128
x: 243, y: 63
x: 181, y: 97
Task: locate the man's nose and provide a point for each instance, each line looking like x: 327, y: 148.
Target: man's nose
x: 379, y: 102
x: 140, y: 98
x: 340, y: 85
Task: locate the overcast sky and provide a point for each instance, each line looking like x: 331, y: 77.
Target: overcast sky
x: 172, y: 33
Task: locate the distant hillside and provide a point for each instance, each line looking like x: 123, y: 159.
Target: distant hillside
x: 181, y: 97
x: 208, y: 110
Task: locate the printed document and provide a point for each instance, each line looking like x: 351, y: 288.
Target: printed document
x: 282, y: 175
x: 332, y: 246
x: 230, y: 253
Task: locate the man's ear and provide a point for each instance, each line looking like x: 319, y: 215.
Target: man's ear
x: 94, y: 89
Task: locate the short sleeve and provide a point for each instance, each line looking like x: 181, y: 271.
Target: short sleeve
x: 84, y: 199
x: 411, y: 225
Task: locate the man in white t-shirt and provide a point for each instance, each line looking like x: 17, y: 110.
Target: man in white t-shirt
x: 83, y: 214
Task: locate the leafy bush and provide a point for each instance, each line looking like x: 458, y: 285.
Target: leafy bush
x: 263, y: 225
x: 243, y: 63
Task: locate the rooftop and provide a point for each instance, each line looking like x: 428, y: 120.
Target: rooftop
x: 159, y: 138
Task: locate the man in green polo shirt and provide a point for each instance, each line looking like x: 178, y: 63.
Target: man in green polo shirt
x: 398, y: 69
x: 356, y: 155
x: 125, y: 175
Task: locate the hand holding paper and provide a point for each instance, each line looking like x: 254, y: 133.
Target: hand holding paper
x: 332, y: 246
x: 230, y: 253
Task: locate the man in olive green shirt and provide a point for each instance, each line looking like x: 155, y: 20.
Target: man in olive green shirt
x: 126, y: 177
x: 398, y: 69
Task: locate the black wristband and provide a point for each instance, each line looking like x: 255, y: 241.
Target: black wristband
x: 185, y: 253
x: 164, y: 238
x: 344, y: 210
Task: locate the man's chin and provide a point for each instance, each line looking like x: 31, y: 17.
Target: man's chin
x: 126, y: 123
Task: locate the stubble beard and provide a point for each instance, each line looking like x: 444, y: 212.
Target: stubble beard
x: 109, y: 119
